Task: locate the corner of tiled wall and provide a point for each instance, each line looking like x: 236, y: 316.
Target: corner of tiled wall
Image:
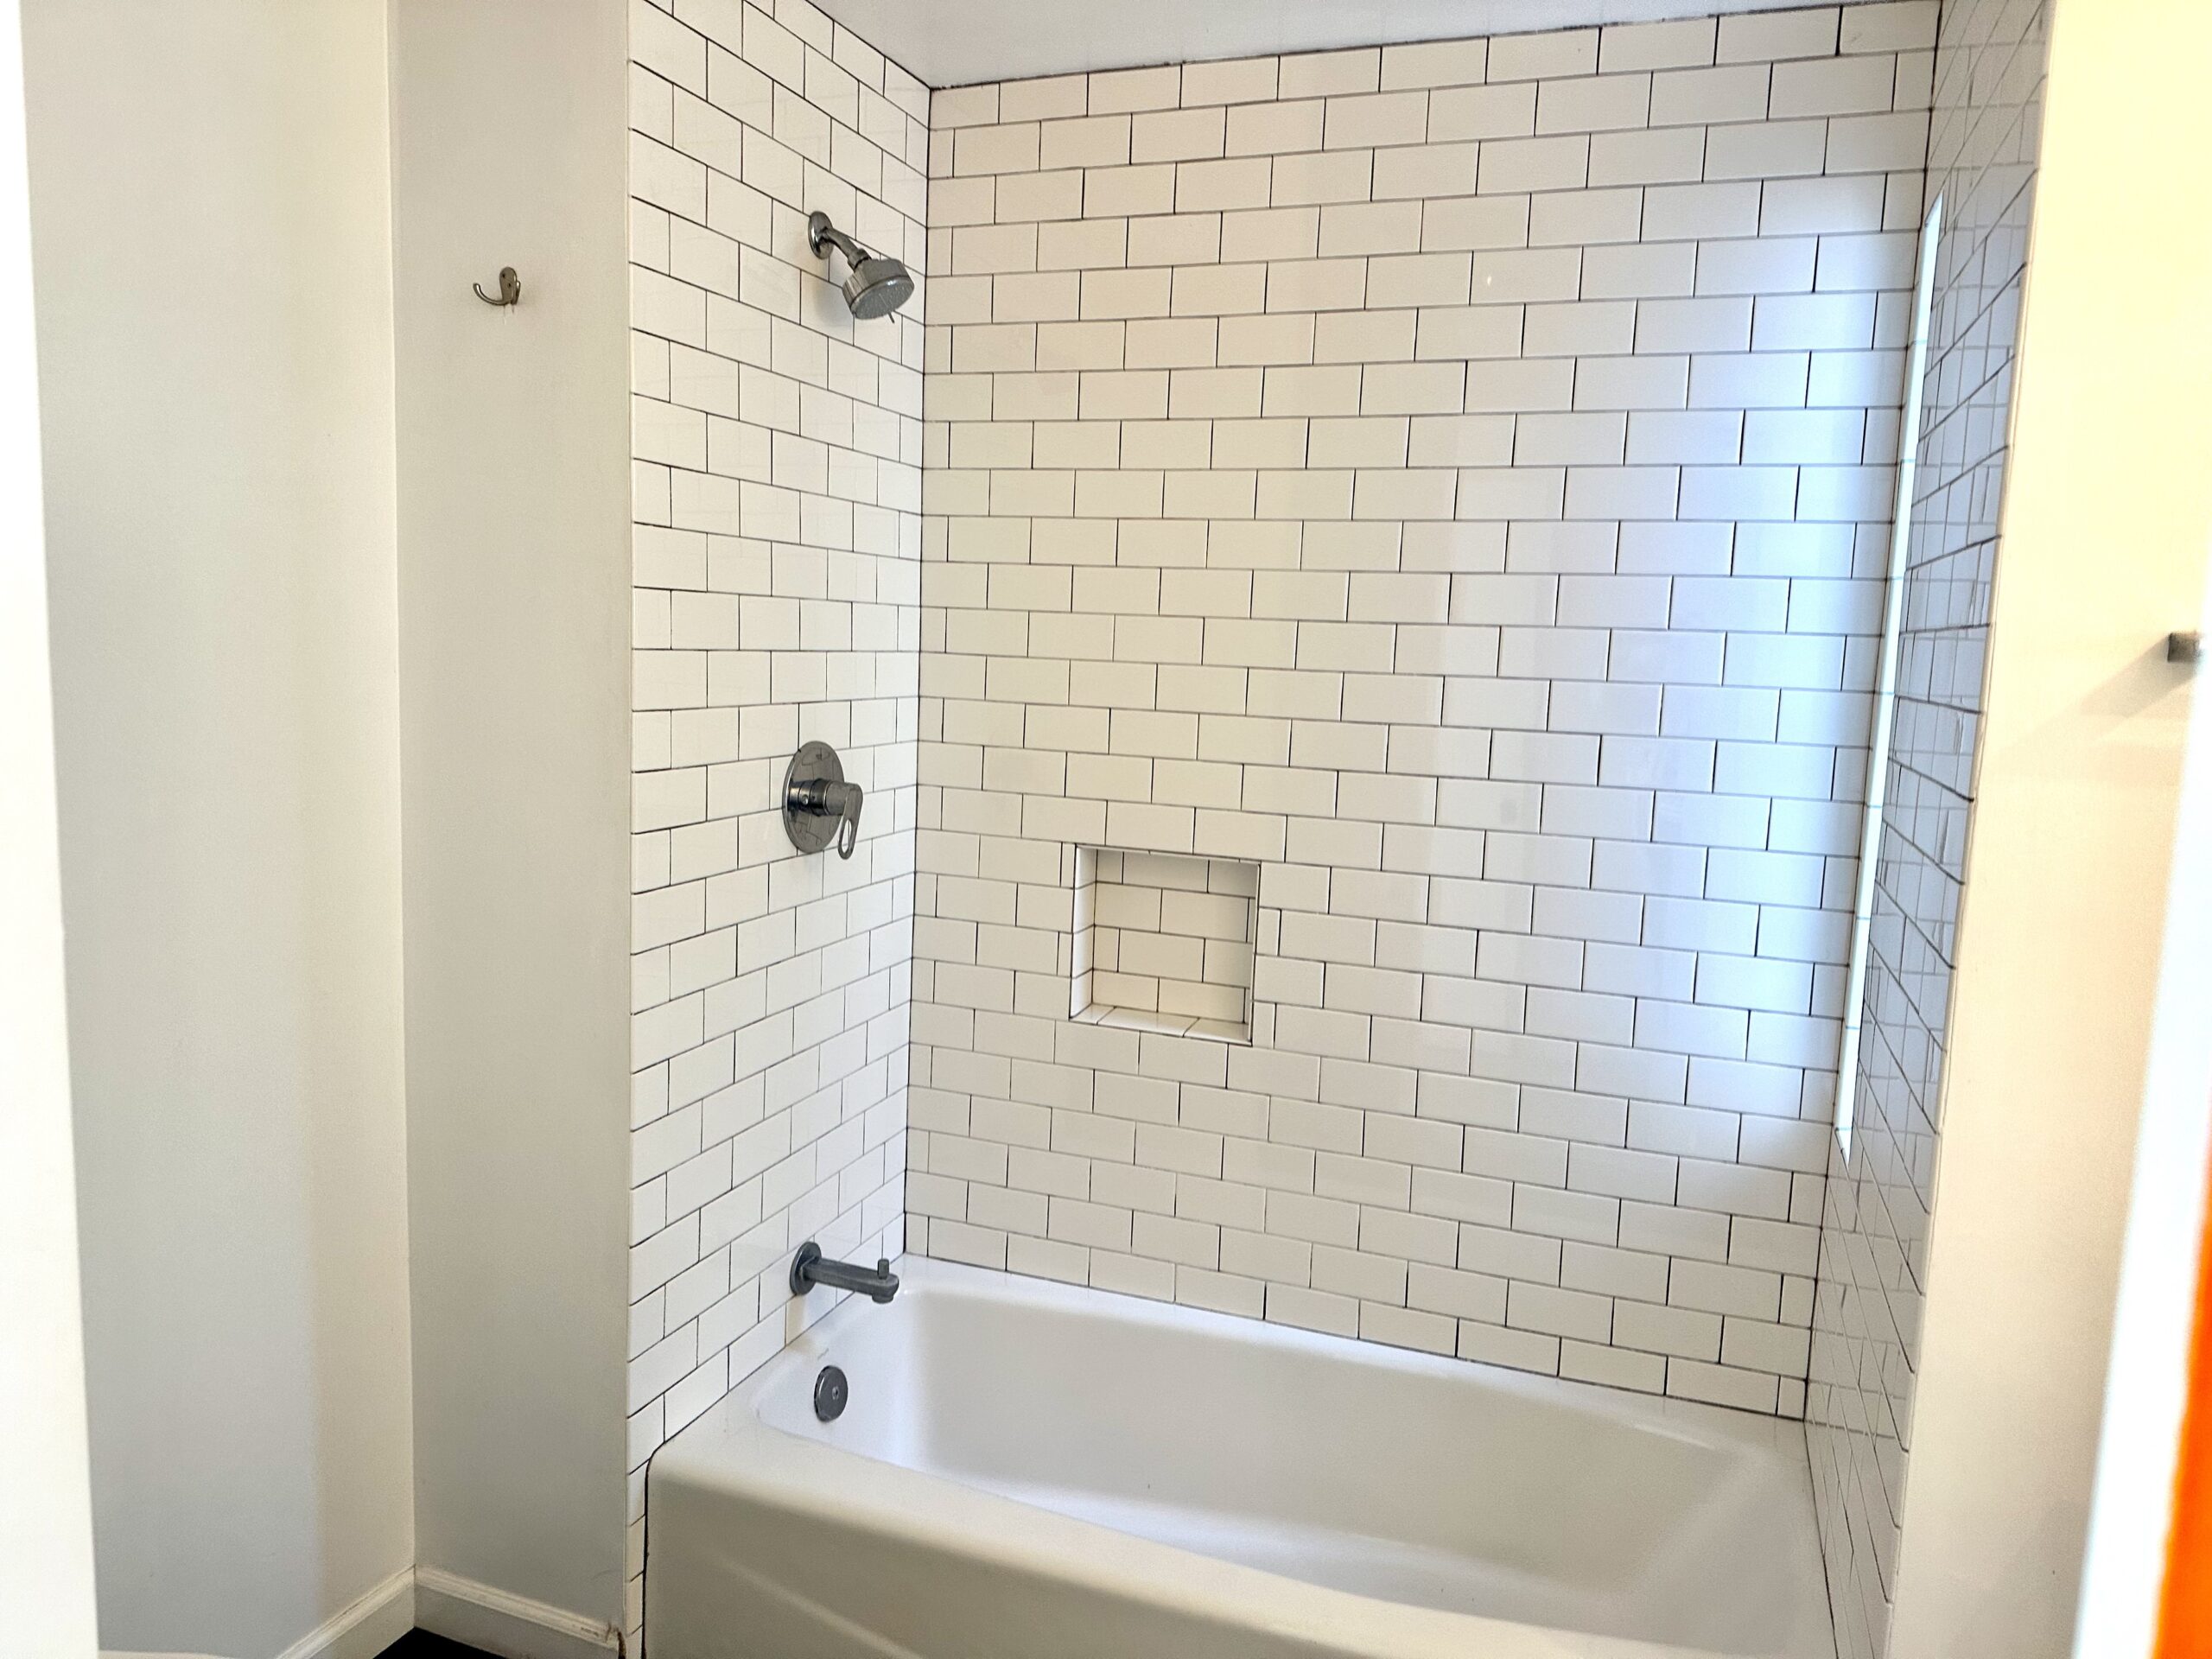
x: 1455, y: 478
x: 778, y: 450
x: 1451, y: 477
x: 1982, y: 148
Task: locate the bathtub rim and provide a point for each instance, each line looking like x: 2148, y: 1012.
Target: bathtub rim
x: 732, y: 1449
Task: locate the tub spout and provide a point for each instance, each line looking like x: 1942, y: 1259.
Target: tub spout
x: 811, y: 1267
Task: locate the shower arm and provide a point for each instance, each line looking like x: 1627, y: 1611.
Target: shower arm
x: 820, y: 229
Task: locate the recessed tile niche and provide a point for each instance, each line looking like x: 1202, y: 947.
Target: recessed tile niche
x: 1163, y: 942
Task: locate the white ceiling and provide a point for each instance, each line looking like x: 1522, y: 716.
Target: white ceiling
x: 954, y: 42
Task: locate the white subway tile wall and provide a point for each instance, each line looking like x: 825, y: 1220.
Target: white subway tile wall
x: 778, y: 586
x: 1988, y: 98
x: 1453, y: 478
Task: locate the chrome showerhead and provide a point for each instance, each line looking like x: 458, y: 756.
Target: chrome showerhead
x: 878, y: 287
x: 876, y: 284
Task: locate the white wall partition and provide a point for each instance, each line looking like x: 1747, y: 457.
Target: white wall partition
x: 46, y: 1507
x: 507, y: 149
x: 2146, y: 1404
x: 211, y: 230
x: 1453, y: 478
x: 2105, y: 525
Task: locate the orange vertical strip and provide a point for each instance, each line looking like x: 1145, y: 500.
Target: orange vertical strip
x: 2185, y: 1610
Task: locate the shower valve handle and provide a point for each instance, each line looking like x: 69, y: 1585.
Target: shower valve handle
x: 840, y: 802
x: 819, y: 805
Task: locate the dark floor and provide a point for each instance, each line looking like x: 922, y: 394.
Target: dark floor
x: 421, y: 1644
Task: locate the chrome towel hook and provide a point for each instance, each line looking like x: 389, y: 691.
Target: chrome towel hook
x: 510, y: 288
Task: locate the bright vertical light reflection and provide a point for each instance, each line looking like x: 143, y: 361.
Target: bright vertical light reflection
x: 1886, y: 692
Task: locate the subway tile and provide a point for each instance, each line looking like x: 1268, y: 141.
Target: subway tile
x: 1528, y: 57
x: 1491, y: 429
x: 1434, y: 63
x: 1314, y: 74
x: 1238, y: 80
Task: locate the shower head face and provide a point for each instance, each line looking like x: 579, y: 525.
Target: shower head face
x: 878, y: 286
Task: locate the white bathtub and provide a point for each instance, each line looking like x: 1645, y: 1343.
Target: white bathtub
x: 1031, y: 1471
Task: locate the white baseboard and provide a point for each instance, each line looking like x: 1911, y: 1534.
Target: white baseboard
x: 514, y: 1627
x: 447, y: 1604
x: 362, y: 1629
x: 367, y: 1626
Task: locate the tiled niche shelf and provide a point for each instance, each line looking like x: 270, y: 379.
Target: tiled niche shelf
x: 1163, y: 942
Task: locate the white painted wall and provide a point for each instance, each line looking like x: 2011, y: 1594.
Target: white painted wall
x: 509, y: 132
x: 2146, y: 1397
x: 2106, y: 522
x: 211, y: 225
x: 46, y: 1509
